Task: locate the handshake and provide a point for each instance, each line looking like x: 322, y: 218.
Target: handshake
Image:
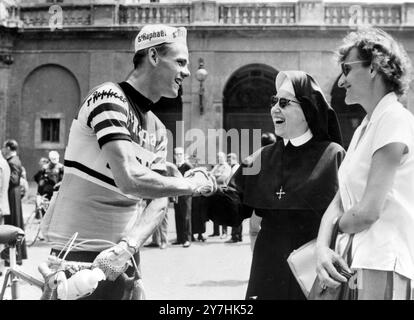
x: 204, y: 183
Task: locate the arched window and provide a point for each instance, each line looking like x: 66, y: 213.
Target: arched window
x: 50, y: 101
x: 246, y: 100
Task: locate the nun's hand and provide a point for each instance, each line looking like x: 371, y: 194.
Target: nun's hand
x: 204, y: 183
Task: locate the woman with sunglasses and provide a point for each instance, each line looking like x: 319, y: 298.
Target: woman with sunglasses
x: 296, y: 182
x: 375, y: 200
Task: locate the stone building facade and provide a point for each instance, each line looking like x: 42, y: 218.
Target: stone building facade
x: 53, y: 52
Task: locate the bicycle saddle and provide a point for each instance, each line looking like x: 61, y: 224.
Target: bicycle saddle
x: 10, y: 234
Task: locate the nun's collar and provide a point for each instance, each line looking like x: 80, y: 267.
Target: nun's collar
x: 298, y: 141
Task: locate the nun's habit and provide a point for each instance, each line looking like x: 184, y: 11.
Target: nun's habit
x: 291, y: 192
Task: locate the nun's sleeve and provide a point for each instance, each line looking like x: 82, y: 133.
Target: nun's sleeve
x: 226, y: 207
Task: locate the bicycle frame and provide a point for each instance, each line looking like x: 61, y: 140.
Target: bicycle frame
x: 14, y: 274
x: 32, y: 223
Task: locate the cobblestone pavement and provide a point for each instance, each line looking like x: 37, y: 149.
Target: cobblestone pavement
x: 205, y: 271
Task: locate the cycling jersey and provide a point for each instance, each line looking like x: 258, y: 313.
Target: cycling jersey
x: 89, y: 201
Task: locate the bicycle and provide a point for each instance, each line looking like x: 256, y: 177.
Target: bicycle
x: 55, y: 272
x: 32, y: 223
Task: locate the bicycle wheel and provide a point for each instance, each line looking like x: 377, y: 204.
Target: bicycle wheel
x: 32, y: 229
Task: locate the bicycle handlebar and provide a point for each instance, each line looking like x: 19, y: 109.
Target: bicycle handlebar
x: 57, y: 285
x: 53, y: 271
x: 56, y: 264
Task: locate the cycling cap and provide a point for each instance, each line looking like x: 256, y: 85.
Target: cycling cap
x: 155, y: 34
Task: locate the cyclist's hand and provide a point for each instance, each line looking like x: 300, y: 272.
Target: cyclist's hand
x: 203, y: 182
x: 113, y: 261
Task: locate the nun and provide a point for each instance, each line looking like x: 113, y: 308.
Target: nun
x: 295, y: 184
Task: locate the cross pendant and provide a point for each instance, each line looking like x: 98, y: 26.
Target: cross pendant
x: 280, y: 193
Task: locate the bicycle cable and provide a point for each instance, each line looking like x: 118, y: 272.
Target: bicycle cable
x: 69, y: 244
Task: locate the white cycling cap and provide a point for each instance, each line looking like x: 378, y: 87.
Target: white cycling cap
x: 155, y: 34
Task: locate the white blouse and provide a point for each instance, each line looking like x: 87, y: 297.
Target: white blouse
x: 388, y: 244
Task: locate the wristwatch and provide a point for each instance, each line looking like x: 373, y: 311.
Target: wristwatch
x: 131, y: 243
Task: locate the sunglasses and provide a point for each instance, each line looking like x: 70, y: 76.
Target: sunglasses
x: 283, y: 102
x: 345, y: 66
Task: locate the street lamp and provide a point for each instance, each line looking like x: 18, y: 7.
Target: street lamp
x: 201, y: 75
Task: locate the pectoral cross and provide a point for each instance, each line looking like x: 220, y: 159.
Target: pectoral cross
x: 280, y: 193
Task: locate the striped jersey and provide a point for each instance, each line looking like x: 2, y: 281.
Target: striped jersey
x: 89, y: 201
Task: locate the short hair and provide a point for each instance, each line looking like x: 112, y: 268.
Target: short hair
x: 140, y: 55
x: 12, y: 144
x: 382, y: 52
x: 232, y: 155
x: 268, y: 138
x: 54, y: 154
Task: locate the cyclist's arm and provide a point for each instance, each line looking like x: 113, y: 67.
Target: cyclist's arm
x: 133, y: 178
x: 153, y: 214
x: 147, y: 221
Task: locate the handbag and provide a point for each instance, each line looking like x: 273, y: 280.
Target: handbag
x: 343, y: 291
x: 302, y: 263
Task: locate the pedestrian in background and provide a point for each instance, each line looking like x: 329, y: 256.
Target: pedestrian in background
x: 160, y: 235
x: 4, y: 188
x: 183, y: 206
x: 9, y: 150
x: 236, y: 232
x: 24, y: 184
x: 222, y: 173
x: 4, y: 197
x: 50, y: 174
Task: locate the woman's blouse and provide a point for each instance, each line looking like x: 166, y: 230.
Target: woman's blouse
x: 388, y: 244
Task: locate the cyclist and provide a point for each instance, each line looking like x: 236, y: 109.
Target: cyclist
x: 115, y: 163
